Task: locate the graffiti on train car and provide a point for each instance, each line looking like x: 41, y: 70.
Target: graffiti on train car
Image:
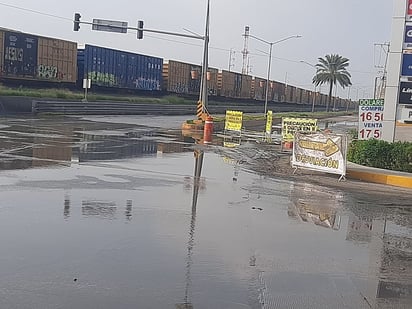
x: 104, y: 79
x: 179, y: 88
x: 47, y: 71
x: 13, y: 54
x: 147, y: 84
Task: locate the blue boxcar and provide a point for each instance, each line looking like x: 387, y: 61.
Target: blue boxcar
x: 20, y: 55
x: 118, y: 69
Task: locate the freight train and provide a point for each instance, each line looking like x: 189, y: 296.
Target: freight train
x: 36, y: 60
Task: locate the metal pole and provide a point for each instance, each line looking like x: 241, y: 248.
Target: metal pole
x: 267, y: 80
x: 374, y: 87
x: 313, y: 100
x: 203, y: 88
x: 347, y: 105
x: 314, y: 84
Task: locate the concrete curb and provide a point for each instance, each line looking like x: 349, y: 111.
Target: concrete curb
x: 380, y: 176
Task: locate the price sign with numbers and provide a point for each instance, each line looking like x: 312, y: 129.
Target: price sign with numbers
x: 370, y: 119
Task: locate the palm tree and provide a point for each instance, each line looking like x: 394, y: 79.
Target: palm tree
x: 332, y: 70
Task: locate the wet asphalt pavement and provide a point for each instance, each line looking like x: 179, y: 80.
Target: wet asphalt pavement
x: 103, y: 213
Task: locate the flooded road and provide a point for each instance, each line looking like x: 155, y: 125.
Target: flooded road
x: 108, y: 213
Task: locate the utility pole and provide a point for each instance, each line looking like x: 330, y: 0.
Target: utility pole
x: 231, y: 59
x: 203, y: 84
x: 245, y: 52
x: 380, y: 62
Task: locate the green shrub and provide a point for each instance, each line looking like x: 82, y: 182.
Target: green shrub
x: 395, y: 156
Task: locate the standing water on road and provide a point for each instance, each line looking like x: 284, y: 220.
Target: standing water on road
x: 110, y: 215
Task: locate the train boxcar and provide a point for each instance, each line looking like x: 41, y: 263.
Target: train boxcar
x: 301, y: 96
x: 294, y: 92
x: 234, y: 85
x: 212, y: 83
x: 36, y: 58
x: 185, y: 78
x: 298, y: 96
x: 57, y: 60
x: 259, y: 88
x: 289, y: 93
x: 306, y: 96
x: 276, y: 91
x: 28, y: 58
x: 281, y: 91
x: 110, y: 68
x: 324, y: 99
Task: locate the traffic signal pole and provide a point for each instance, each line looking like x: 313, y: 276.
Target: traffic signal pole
x: 114, y: 26
x: 205, y: 65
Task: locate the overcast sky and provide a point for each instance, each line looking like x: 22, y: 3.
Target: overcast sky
x: 351, y: 28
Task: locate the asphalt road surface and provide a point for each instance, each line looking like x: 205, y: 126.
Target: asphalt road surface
x: 107, y: 213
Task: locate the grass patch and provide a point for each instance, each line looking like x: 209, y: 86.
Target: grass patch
x: 65, y: 94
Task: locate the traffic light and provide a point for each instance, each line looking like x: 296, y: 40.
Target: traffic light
x: 76, y: 22
x: 140, y: 29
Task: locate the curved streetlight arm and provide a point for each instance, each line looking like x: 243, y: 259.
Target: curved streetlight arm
x: 270, y: 60
x: 259, y: 39
x: 312, y: 65
x: 287, y: 38
x: 275, y: 42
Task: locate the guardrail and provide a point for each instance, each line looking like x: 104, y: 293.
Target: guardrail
x: 128, y: 108
x: 107, y: 108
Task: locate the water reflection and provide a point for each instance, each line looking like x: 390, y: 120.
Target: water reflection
x: 66, y: 210
x: 386, y: 231
x: 359, y: 228
x: 100, y: 209
x: 104, y: 147
x: 390, y: 258
x: 105, y: 210
x: 128, y: 211
x: 310, y: 204
x: 44, y: 144
x: 395, y: 262
x: 198, y: 155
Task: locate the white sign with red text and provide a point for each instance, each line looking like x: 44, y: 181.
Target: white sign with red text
x: 370, y: 119
x: 409, y: 10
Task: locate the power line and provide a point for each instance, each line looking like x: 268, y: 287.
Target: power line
x: 163, y: 39
x: 69, y: 19
x: 34, y: 11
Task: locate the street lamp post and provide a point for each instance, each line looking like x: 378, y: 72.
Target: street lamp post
x: 314, y: 89
x: 347, y: 103
x: 270, y: 61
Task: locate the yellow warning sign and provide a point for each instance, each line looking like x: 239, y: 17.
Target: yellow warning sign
x: 302, y: 125
x: 269, y: 120
x: 233, y: 120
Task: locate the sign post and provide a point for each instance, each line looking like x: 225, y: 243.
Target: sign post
x: 370, y: 119
x: 87, y: 83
